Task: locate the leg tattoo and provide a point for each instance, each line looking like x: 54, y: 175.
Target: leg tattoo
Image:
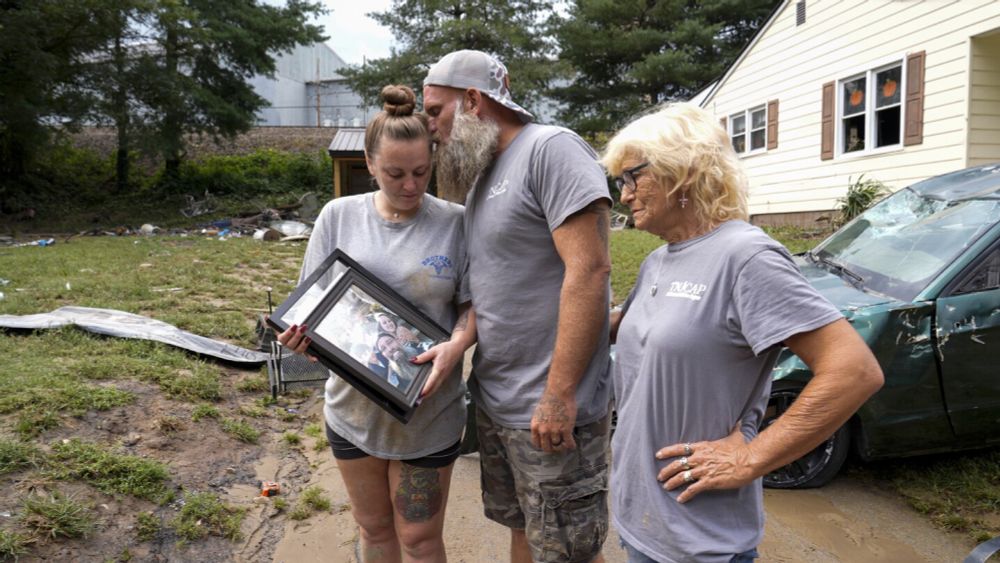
x: 418, y: 497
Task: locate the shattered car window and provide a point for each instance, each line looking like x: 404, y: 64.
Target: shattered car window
x: 899, y: 245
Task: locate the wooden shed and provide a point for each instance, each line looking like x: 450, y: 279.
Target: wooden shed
x: 350, y: 174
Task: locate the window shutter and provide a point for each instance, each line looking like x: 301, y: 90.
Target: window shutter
x: 724, y: 124
x: 829, y: 117
x: 913, y: 131
x: 772, y: 124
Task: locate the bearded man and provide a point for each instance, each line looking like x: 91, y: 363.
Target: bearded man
x: 536, y: 225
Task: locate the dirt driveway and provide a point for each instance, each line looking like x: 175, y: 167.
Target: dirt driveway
x: 845, y: 521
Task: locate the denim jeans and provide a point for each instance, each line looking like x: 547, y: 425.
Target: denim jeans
x: 636, y: 556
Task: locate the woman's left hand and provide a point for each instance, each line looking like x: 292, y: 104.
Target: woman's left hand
x: 704, y: 466
x: 444, y: 355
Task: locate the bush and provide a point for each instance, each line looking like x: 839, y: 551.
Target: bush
x: 861, y: 195
x: 260, y: 173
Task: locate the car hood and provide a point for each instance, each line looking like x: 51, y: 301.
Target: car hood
x: 845, y: 296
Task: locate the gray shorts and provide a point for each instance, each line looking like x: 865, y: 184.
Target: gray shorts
x: 559, y: 499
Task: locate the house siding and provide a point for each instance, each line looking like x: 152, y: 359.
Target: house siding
x: 790, y: 63
x: 984, y: 101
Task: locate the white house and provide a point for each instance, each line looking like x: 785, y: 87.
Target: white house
x: 307, y: 90
x: 897, y: 90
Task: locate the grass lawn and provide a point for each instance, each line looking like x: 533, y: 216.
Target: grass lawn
x: 53, y: 379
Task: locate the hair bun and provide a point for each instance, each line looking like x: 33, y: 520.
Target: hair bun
x: 398, y: 101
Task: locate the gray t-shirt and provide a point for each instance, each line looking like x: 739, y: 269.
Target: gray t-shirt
x: 515, y: 274
x: 423, y: 259
x: 694, y: 360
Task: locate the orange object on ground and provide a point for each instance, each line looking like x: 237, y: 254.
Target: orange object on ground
x: 269, y: 489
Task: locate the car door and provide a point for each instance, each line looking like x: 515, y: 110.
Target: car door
x: 968, y: 349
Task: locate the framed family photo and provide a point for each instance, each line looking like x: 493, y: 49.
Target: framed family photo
x: 364, y: 331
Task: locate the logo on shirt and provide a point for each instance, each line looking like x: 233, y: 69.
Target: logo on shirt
x: 687, y: 290
x: 439, y: 263
x: 498, y: 189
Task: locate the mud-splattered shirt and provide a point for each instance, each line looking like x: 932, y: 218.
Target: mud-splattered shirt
x: 424, y: 260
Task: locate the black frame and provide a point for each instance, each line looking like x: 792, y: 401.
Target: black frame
x: 347, y: 274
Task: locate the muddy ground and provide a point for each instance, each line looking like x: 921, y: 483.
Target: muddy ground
x: 846, y: 521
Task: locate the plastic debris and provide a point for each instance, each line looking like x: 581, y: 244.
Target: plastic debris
x: 269, y: 489
x: 291, y: 228
x: 40, y: 242
x: 269, y: 235
x: 4, y: 282
x: 148, y: 229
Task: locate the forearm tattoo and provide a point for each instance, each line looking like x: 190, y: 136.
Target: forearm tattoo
x: 463, y: 321
x: 418, y: 497
x: 551, y: 409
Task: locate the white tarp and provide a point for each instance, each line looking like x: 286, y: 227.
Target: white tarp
x: 110, y: 322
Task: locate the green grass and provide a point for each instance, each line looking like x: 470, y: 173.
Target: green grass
x: 313, y: 499
x: 958, y: 492
x: 147, y: 526
x: 204, y: 411
x: 15, y: 456
x: 203, y: 514
x: 111, y: 472
x: 313, y: 430
x: 240, y: 430
x: 291, y: 438
x: 13, y: 545
x: 629, y: 248
x: 57, y: 516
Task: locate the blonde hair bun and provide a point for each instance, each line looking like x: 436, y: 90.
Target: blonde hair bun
x: 398, y: 101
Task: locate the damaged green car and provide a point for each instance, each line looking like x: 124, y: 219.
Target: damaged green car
x: 918, y: 276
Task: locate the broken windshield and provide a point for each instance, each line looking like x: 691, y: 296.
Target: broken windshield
x: 899, y: 245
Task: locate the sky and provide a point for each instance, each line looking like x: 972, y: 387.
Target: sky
x: 352, y: 34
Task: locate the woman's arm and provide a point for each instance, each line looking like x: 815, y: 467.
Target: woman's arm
x: 446, y: 354
x: 845, y: 374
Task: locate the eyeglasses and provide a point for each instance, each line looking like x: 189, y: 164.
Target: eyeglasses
x: 626, y: 182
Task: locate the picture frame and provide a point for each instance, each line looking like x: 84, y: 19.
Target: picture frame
x: 363, y: 331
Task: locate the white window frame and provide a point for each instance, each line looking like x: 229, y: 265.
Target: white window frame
x: 870, y: 110
x: 747, y: 114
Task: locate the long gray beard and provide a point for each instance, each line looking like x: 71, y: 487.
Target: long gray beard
x: 469, y: 151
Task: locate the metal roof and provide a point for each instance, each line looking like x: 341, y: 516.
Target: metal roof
x: 348, y: 141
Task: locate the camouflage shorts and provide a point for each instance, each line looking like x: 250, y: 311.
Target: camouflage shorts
x: 560, y: 499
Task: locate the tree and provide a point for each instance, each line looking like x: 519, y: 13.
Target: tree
x: 627, y: 56
x: 43, y: 47
x: 426, y: 30
x: 206, y: 51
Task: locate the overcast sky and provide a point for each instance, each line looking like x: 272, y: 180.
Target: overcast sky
x: 352, y: 34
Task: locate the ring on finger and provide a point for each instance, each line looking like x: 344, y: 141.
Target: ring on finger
x: 688, y: 477
x: 557, y: 443
x: 687, y: 449
x: 683, y: 462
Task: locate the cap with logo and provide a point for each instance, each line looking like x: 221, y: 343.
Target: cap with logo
x: 476, y: 69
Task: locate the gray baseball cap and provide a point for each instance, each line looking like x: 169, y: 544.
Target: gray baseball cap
x: 476, y: 69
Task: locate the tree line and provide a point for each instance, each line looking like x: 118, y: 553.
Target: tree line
x: 155, y: 70
x: 158, y: 70
x: 597, y: 61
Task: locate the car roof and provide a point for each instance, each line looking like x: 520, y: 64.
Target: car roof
x: 978, y: 182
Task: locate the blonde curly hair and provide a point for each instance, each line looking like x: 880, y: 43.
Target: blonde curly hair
x: 687, y: 149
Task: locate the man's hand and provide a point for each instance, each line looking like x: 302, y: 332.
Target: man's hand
x: 295, y: 339
x: 553, y: 422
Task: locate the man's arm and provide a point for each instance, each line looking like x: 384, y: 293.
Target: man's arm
x: 582, y: 244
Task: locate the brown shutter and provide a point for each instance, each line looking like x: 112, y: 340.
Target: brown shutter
x: 829, y: 117
x: 772, y: 124
x: 913, y: 131
x: 724, y: 124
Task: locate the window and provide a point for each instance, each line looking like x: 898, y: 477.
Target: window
x: 986, y: 276
x: 871, y: 109
x: 748, y: 130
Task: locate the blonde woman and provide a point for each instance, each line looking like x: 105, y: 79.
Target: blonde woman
x: 696, y: 341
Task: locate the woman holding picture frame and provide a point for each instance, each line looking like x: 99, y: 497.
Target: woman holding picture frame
x: 398, y: 476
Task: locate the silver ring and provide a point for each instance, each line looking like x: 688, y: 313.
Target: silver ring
x: 684, y: 462
x: 687, y: 476
x: 687, y: 449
